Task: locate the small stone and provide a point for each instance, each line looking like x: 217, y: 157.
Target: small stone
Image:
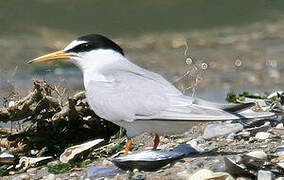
x: 73, y: 175
x: 221, y: 176
x: 218, y: 167
x: 51, y: 177
x: 280, y: 150
x: 106, y: 163
x: 244, y: 134
x: 251, y: 139
x: 95, y: 172
x: 135, y: 170
x: 243, y: 178
x: 280, y: 178
x: 31, y: 170
x: 12, y: 172
x: 222, y: 129
x: 280, y: 126
x: 265, y: 175
x: 185, y: 149
x: 34, y: 152
x: 201, y: 174
x: 61, y: 179
x: 262, y: 135
x: 198, y: 163
x: 281, y: 164
x: 53, y: 163
x: 231, y: 137
x: 25, y: 177
x: 183, y: 174
x: 138, y: 176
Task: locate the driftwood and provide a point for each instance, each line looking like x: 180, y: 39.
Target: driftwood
x: 51, y: 125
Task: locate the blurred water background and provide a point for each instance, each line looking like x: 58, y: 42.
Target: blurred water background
x: 230, y: 45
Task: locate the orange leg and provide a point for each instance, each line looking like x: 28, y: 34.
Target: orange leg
x: 156, y: 141
x: 128, y: 146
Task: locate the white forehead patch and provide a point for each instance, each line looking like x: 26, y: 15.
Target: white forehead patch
x: 73, y: 44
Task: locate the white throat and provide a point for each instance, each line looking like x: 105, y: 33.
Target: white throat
x: 96, y: 60
x: 93, y: 62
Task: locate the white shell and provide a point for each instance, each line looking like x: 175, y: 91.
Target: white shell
x: 71, y: 152
x: 27, y: 162
x: 257, y: 155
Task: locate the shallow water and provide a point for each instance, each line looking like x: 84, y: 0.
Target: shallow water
x: 241, y: 42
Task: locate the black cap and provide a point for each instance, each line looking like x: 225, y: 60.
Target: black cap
x: 95, y: 41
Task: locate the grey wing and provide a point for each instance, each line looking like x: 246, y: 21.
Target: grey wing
x: 131, y: 95
x: 144, y: 95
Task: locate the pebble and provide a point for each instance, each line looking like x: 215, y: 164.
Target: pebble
x: 262, y: 135
x: 279, y: 126
x: 34, y: 151
x: 222, y: 129
x: 31, y: 171
x: 73, y: 175
x: 265, y: 175
x: 198, y: 163
x: 185, y: 149
x: 25, y: 176
x: 12, y: 172
x: 183, y: 174
x: 280, y: 150
x: 50, y: 177
x: 244, y: 134
x: 101, y: 171
x: 106, y: 162
x: 218, y: 167
x: 231, y: 137
x: 138, y: 176
x: 21, y: 177
x: 201, y: 174
x: 53, y: 163
x: 251, y: 139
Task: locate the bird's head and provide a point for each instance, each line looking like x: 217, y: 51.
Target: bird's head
x: 84, y: 51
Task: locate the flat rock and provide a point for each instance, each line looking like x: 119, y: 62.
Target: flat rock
x: 185, y: 149
x: 95, y: 172
x: 222, y: 129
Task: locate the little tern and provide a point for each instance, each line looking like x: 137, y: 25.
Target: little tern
x: 135, y: 98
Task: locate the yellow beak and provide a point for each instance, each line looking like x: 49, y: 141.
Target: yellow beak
x: 58, y: 55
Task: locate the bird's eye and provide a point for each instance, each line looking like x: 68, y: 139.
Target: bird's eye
x: 85, y: 45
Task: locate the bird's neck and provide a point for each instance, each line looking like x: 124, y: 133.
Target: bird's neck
x: 93, y: 63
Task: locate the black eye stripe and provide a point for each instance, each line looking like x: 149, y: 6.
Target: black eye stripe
x: 93, y: 42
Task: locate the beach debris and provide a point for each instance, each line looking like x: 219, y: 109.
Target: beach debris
x: 259, y: 155
x: 186, y: 149
x: 222, y: 129
x: 71, y: 152
x: 265, y: 175
x: 46, y: 116
x: 146, y: 160
x: 6, y: 158
x: 27, y: 162
x: 237, y: 169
